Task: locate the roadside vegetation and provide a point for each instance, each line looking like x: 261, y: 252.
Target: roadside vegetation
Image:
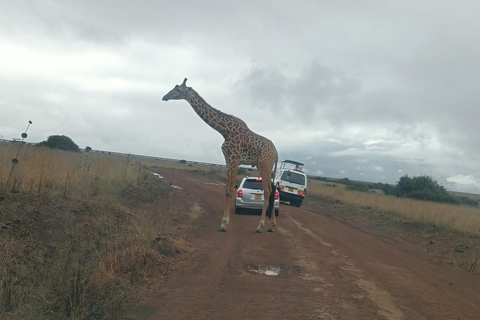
x: 419, y: 187
x: 457, y: 217
x: 61, y: 143
x: 449, y: 233
x: 82, y: 234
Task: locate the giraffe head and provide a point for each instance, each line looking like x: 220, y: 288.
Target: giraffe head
x: 177, y: 93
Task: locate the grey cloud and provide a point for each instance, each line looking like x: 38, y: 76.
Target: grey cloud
x: 315, y: 90
x: 356, y: 87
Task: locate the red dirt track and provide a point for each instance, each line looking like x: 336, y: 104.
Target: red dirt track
x: 327, y: 270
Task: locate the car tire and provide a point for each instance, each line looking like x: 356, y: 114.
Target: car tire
x: 296, y: 203
x: 277, y: 212
x: 237, y: 210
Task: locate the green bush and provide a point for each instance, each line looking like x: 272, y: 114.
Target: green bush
x: 426, y: 188
x: 358, y: 186
x: 60, y: 142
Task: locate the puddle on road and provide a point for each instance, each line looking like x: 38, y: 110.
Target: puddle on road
x: 274, y: 271
x: 261, y: 269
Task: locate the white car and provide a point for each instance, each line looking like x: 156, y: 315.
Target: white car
x: 250, y: 195
x: 291, y: 182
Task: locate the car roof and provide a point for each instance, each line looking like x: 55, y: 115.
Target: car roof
x: 294, y: 162
x: 293, y: 170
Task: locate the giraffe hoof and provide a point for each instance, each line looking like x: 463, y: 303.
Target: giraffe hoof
x: 258, y: 231
x: 222, y: 229
x: 271, y: 230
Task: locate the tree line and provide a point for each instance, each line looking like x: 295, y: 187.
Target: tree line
x: 62, y: 143
x: 421, y: 187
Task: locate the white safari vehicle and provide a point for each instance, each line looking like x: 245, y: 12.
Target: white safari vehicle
x: 291, y: 182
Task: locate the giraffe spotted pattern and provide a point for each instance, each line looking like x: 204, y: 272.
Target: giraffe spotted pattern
x: 241, y: 146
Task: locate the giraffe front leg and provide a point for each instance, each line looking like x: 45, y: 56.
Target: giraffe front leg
x: 230, y: 191
x: 223, y: 226
x: 260, y: 225
x: 226, y: 217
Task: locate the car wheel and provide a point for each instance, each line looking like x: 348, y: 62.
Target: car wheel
x: 277, y: 212
x: 237, y: 210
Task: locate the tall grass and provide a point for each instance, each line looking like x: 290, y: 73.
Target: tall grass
x: 81, y: 233
x: 461, y: 218
x: 54, y: 172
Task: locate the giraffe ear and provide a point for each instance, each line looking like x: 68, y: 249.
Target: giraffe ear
x: 184, y: 84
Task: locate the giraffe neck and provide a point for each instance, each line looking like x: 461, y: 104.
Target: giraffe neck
x: 218, y: 120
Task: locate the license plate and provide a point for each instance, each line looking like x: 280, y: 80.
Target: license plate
x: 258, y: 197
x: 290, y: 190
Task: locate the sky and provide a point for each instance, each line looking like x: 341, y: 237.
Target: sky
x: 366, y: 90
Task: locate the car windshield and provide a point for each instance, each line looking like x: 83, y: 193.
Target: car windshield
x: 253, y: 184
x: 293, y: 177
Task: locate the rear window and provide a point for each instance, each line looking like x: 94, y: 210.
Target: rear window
x: 293, y: 177
x: 253, y: 184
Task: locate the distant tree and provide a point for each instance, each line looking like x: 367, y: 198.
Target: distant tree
x: 60, y: 142
x: 423, y: 188
x: 182, y: 161
x: 88, y: 149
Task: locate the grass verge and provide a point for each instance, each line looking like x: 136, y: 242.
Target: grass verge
x: 448, y: 234
x: 82, y: 235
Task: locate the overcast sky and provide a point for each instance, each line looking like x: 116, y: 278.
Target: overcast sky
x: 367, y: 90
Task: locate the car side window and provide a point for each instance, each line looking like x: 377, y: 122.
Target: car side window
x: 293, y: 177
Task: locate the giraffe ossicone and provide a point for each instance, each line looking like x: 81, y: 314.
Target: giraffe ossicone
x: 241, y: 146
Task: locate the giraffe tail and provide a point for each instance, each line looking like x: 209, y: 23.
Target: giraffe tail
x: 271, y: 201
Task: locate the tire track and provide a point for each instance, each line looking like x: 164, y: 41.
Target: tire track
x: 382, y: 299
x: 326, y: 270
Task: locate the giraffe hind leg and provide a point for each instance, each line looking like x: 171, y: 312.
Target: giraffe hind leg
x: 267, y: 190
x: 271, y: 209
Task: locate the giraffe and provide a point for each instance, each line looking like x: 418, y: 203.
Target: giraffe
x: 241, y: 146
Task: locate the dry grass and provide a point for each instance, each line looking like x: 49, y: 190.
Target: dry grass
x: 461, y: 218
x: 81, y: 233
x: 54, y: 172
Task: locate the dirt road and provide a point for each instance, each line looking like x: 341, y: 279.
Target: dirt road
x: 326, y: 270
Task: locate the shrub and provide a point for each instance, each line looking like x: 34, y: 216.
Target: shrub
x: 357, y: 186
x: 424, y: 188
x: 60, y: 142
